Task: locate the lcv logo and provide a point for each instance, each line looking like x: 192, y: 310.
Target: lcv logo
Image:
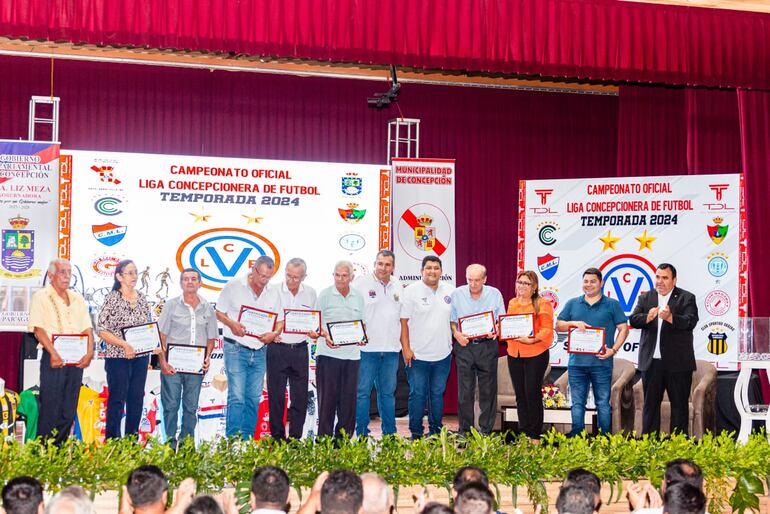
x: 626, y: 276
x: 220, y: 254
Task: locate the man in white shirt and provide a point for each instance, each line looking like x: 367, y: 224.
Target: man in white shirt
x: 245, y: 352
x: 269, y: 491
x: 426, y: 342
x: 379, y: 358
x: 287, y: 358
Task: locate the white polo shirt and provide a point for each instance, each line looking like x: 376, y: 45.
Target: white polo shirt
x: 382, y: 312
x: 306, y: 299
x: 237, y: 293
x: 428, y: 312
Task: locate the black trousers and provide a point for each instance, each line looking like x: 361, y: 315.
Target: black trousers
x: 476, y: 365
x: 59, y: 391
x: 527, y: 377
x: 125, y: 380
x: 287, y: 363
x: 656, y: 381
x: 337, y: 381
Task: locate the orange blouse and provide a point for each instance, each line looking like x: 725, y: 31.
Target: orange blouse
x: 543, y: 329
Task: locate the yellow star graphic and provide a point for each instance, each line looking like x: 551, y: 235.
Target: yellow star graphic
x: 645, y: 241
x: 252, y: 219
x: 200, y: 217
x: 609, y: 241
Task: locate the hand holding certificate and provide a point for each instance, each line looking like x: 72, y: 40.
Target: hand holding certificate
x: 589, y: 340
x: 478, y: 326
x: 186, y: 358
x: 142, y: 338
x: 256, y: 321
x: 345, y: 333
x: 514, y: 326
x: 297, y: 321
x: 70, y: 347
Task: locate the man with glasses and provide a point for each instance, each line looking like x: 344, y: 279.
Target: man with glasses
x: 287, y: 358
x: 245, y: 353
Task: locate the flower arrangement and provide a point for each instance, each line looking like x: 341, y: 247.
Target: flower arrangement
x: 553, y: 398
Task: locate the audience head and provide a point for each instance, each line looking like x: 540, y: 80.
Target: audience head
x: 70, y: 500
x: 683, y: 498
x: 682, y: 470
x: 378, y: 497
x: 147, y: 487
x: 468, y: 474
x: 575, y: 499
x: 23, y: 495
x: 474, y: 498
x: 342, y: 493
x: 584, y: 478
x: 269, y: 488
x: 203, y: 505
x: 436, y: 508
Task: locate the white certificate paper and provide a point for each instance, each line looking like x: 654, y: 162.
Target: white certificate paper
x: 345, y: 333
x: 186, y: 358
x: 298, y: 321
x: 480, y: 325
x: 256, y: 321
x: 590, y: 340
x: 70, y: 347
x: 513, y: 326
x: 142, y: 338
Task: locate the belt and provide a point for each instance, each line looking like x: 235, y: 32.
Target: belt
x: 233, y: 341
x: 479, y: 341
x: 293, y: 345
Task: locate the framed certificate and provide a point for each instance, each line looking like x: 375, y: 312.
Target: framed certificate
x: 256, y: 321
x: 186, y: 358
x: 513, y: 326
x: 590, y: 340
x: 70, y: 347
x: 142, y: 338
x: 298, y: 321
x: 345, y: 333
x: 478, y: 326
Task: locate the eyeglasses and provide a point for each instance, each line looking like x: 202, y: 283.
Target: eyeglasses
x: 523, y: 283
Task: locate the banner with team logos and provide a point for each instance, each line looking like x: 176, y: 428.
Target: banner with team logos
x: 423, y: 216
x: 626, y: 227
x: 29, y: 203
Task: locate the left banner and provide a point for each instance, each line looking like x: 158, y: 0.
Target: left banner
x: 29, y: 204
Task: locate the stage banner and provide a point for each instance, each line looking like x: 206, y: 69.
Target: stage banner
x: 423, y: 216
x: 626, y: 227
x: 29, y: 189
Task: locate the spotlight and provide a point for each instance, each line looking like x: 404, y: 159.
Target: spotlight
x: 382, y: 100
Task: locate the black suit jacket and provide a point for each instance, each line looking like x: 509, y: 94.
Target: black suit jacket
x: 676, y: 339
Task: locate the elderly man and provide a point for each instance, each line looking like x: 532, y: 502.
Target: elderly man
x: 56, y: 310
x: 186, y: 320
x: 337, y: 366
x: 245, y: 353
x: 287, y: 358
x: 476, y: 357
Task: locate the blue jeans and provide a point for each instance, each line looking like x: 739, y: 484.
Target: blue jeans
x: 184, y: 388
x: 427, y: 382
x: 377, y: 369
x: 245, y: 370
x: 600, y: 379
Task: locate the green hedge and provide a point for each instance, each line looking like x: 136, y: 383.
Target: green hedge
x: 734, y: 473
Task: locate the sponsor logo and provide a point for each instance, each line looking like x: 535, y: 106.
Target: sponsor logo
x: 352, y: 214
x: 550, y: 294
x: 545, y: 232
x: 626, y: 276
x: 105, y: 265
x: 717, y: 343
x: 351, y: 184
x: 18, y: 252
x: 424, y: 228
x: 717, y: 232
x: 109, y: 234
x: 424, y: 233
x: 717, y: 265
x: 718, y: 189
x: 543, y: 194
x: 220, y: 254
x: 352, y: 242
x: 106, y: 174
x: 372, y: 293
x: 447, y: 299
x: 717, y: 302
x: 718, y: 204
x: 548, y: 265
x: 108, y: 206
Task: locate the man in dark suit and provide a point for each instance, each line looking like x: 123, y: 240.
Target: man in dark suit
x: 667, y: 317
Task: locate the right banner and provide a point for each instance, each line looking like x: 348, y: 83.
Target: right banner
x: 626, y: 227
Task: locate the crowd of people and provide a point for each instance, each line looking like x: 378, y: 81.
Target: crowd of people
x: 344, y: 492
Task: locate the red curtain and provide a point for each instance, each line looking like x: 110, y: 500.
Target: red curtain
x: 587, y: 39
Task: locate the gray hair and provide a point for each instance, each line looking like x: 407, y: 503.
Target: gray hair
x: 295, y: 262
x: 477, y: 267
x: 378, y: 496
x: 55, y: 263
x: 345, y: 264
x: 70, y: 500
x: 264, y: 260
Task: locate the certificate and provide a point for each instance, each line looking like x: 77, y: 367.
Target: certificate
x: 185, y: 358
x: 70, y: 347
x: 590, y: 340
x: 513, y: 326
x: 298, y: 321
x: 478, y: 326
x: 345, y: 333
x: 142, y: 338
x: 256, y: 321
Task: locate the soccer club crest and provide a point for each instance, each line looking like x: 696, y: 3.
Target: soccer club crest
x: 109, y: 234
x: 18, y: 252
x: 717, y: 231
x: 424, y: 233
x: 548, y: 265
x: 717, y: 344
x: 351, y: 184
x: 352, y: 214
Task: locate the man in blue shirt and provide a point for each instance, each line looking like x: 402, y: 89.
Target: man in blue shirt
x: 593, y: 309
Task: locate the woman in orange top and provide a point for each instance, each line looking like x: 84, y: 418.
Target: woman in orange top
x: 528, y: 356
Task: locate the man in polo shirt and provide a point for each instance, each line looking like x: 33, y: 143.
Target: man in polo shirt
x: 245, y: 353
x: 476, y: 358
x: 57, y: 310
x: 287, y: 358
x: 593, y: 309
x: 426, y: 342
x: 337, y: 366
x: 190, y: 320
x: 379, y: 358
